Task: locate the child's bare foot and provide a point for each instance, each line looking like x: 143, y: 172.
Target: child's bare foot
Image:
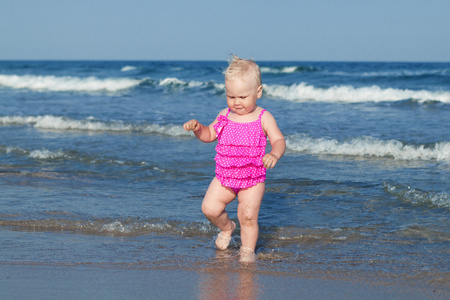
x: 247, y: 255
x: 223, y: 239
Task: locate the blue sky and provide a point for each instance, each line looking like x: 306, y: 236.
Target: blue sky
x: 331, y: 30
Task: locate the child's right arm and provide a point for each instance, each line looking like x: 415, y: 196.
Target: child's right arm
x: 204, y: 133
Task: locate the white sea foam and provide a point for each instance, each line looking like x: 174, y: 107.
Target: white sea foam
x: 12, y: 149
x: 128, y: 68
x: 173, y: 81
x: 219, y: 86
x: 37, y: 154
x: 285, y: 70
x: 419, y: 197
x: 346, y: 93
x: 49, y: 122
x: 369, y: 146
x: 134, y: 227
x: 46, y: 154
x: 67, y: 83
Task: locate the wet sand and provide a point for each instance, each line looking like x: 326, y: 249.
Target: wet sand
x: 21, y: 281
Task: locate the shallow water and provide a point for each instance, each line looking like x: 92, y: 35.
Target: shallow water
x: 96, y: 169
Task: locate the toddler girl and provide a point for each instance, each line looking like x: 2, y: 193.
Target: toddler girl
x: 241, y: 162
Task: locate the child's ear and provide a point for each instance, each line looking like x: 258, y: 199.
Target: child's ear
x: 259, y: 91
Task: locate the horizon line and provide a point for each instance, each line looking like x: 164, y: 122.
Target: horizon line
x: 220, y: 60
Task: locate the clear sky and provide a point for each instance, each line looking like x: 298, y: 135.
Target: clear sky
x: 301, y: 30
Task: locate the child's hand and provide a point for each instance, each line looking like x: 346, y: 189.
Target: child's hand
x: 269, y: 160
x: 193, y: 125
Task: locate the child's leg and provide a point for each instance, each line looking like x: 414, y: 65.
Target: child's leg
x: 248, y: 210
x: 216, y: 199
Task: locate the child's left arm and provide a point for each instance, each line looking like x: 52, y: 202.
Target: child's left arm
x: 276, y: 140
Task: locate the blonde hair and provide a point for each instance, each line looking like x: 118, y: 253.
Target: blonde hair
x: 238, y: 67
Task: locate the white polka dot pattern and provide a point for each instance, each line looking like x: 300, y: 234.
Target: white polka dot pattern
x: 240, y: 149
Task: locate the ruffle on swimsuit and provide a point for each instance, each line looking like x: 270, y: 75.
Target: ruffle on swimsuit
x: 240, y: 149
x: 222, y: 121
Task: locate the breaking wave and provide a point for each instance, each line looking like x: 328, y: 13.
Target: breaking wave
x: 287, y: 70
x: 50, y: 122
x: 369, y: 147
x: 128, y: 68
x: 111, y: 227
x: 346, y: 93
x: 304, y: 92
x: 67, y: 83
x: 418, y: 197
x: 295, y: 92
x: 94, y: 84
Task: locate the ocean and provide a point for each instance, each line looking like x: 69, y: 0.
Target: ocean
x: 96, y: 170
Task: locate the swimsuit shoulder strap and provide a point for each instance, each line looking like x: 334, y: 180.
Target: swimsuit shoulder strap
x: 228, y: 112
x: 262, y: 112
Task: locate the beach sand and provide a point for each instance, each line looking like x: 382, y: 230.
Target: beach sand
x: 28, y: 281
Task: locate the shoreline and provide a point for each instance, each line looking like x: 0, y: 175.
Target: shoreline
x: 90, y: 281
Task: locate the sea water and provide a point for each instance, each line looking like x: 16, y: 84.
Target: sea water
x: 95, y: 168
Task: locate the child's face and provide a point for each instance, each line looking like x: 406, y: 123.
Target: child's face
x: 242, y: 94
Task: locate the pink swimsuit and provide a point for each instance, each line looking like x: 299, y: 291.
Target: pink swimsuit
x: 240, y: 149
